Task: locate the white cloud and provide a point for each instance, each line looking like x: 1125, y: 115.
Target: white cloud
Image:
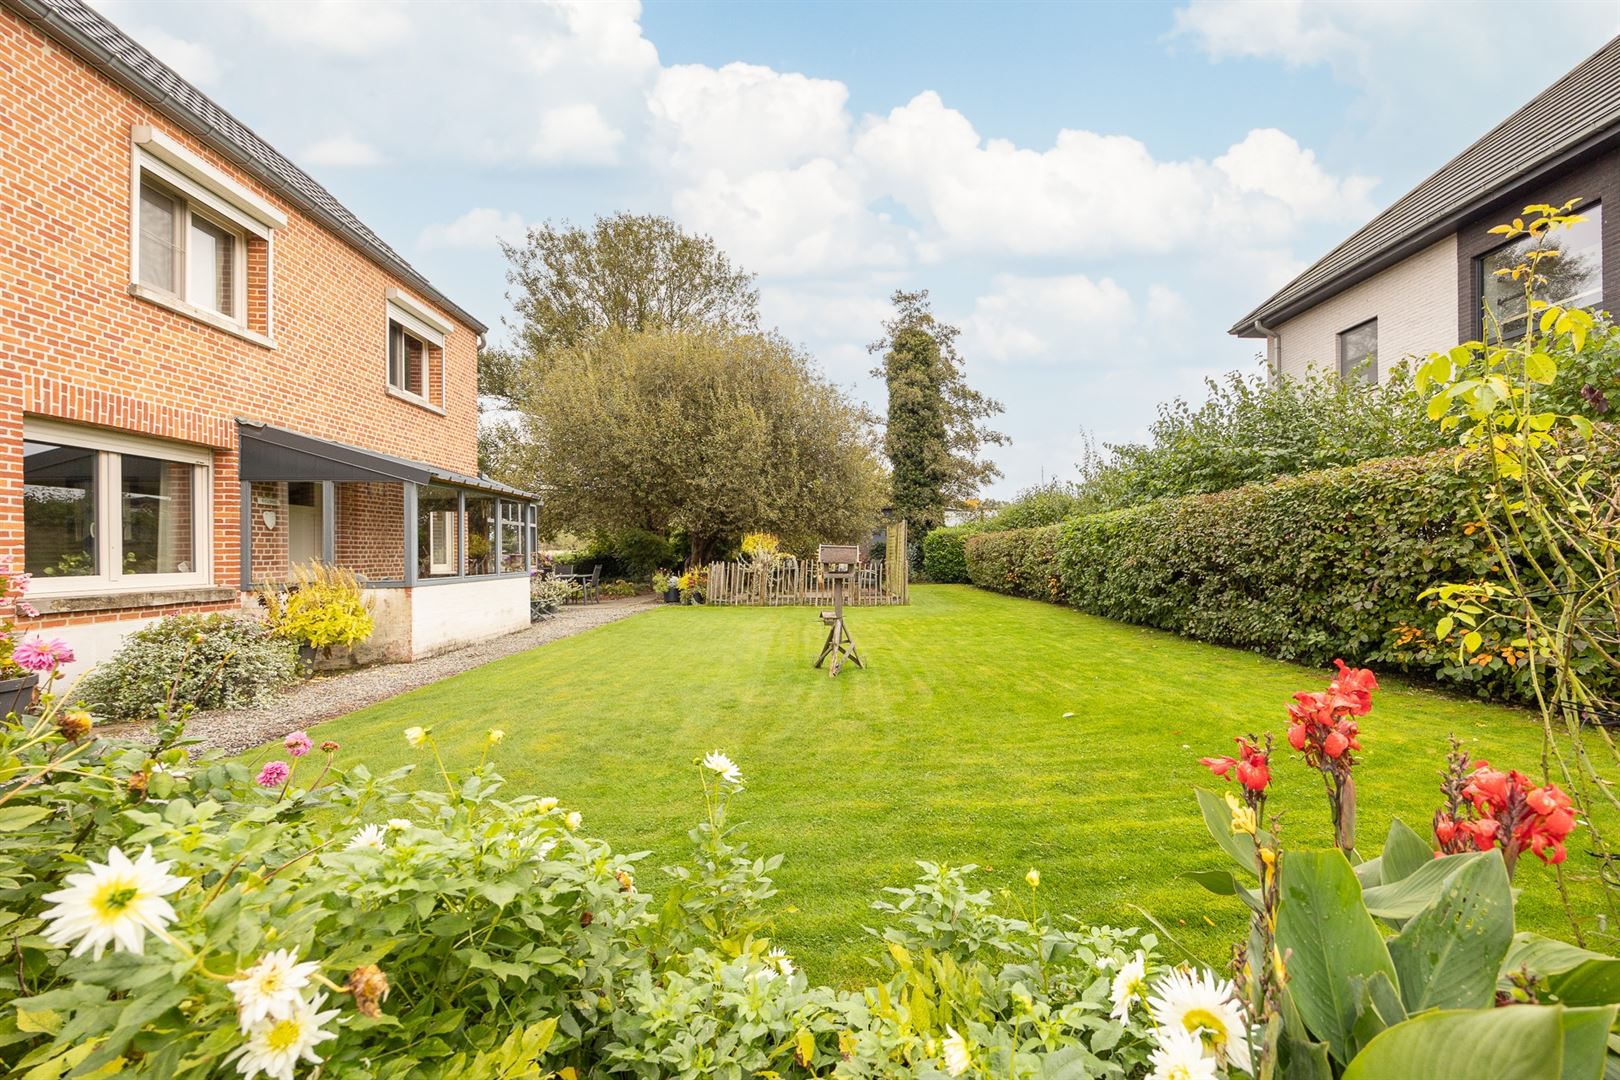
x: 479, y: 227
x: 1089, y: 194
x: 1060, y: 319
x: 341, y: 152
x: 1293, y: 31
x: 808, y: 219
x: 1268, y: 162
x: 344, y: 27
x: 744, y: 117
x: 575, y: 135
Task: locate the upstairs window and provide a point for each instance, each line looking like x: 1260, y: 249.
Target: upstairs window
x: 1574, y: 278
x: 415, y: 351
x: 201, y: 240
x: 189, y: 256
x: 407, y: 361
x: 1358, y: 353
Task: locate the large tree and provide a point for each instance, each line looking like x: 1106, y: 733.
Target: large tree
x: 628, y: 272
x: 937, y: 428
x: 705, y: 433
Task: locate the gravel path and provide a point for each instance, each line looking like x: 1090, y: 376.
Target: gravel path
x: 340, y: 693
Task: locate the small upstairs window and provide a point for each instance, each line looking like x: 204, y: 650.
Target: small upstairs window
x: 200, y: 240
x: 1358, y: 353
x: 188, y: 255
x: 415, y: 351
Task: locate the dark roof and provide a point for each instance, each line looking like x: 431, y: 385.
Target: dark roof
x: 1571, y: 117
x: 270, y: 453
x: 101, y: 44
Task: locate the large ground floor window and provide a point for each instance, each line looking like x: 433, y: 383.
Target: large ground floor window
x: 107, y: 510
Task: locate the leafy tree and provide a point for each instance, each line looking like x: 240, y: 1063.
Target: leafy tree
x: 936, y: 424
x: 707, y: 433
x: 628, y: 271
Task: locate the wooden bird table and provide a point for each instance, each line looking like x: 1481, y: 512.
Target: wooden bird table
x: 838, y: 562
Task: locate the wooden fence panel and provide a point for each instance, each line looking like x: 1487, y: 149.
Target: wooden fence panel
x: 792, y: 582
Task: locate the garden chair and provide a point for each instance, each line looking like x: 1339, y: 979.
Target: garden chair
x: 590, y: 587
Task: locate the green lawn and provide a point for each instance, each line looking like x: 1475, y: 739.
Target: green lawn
x: 952, y: 746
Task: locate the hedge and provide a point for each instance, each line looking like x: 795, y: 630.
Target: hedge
x: 1305, y: 568
x: 944, y: 560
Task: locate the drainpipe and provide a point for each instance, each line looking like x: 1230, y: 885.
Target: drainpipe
x: 1273, y: 356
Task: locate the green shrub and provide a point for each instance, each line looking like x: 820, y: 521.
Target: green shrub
x: 943, y: 558
x: 322, y: 607
x: 1306, y: 568
x: 1252, y: 428
x: 212, y: 661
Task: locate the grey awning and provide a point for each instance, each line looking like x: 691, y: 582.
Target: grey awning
x: 272, y: 454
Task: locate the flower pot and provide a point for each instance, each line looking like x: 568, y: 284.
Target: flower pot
x: 17, y: 694
x: 672, y: 596
x: 306, y: 660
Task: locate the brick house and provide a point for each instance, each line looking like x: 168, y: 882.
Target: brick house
x: 211, y: 370
x: 1418, y: 277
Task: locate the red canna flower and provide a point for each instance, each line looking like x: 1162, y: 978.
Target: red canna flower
x: 1297, y: 736
x: 1220, y: 766
x: 1353, y: 688
x: 1335, y: 744
x: 1254, y: 773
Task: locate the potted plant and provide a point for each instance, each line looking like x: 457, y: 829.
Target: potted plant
x: 21, y: 662
x: 668, y: 586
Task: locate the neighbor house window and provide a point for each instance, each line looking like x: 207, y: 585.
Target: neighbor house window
x: 106, y: 510
x: 1358, y: 353
x: 188, y: 255
x: 416, y: 336
x: 533, y: 531
x: 1574, y: 278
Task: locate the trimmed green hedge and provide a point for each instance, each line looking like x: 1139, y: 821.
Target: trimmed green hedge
x: 943, y: 556
x: 1305, y: 568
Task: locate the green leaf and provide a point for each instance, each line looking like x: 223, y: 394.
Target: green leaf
x: 1379, y: 1007
x: 1471, y: 641
x: 1405, y: 898
x: 1540, y: 368
x: 1526, y: 1042
x: 1225, y: 883
x: 1218, y: 820
x: 1328, y: 937
x: 13, y: 818
x: 1443, y: 627
x: 1405, y: 852
x: 1449, y: 955
x: 1574, y: 975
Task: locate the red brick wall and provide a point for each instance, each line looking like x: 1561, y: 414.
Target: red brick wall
x: 75, y: 345
x: 368, y: 530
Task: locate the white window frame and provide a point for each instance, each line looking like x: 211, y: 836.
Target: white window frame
x: 110, y: 446
x: 441, y: 526
x: 427, y: 326
x: 208, y: 193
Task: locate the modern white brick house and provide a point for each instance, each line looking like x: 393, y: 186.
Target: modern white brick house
x: 1417, y: 277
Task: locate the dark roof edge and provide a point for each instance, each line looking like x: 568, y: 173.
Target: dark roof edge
x: 1434, y: 231
x: 390, y: 465
x: 49, y: 23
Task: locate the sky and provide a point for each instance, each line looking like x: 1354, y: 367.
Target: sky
x: 1093, y: 193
